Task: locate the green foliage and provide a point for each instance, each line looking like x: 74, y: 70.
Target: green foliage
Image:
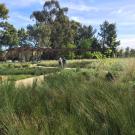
x: 98, y: 55
x: 87, y: 55
x: 3, y: 11
x: 33, y: 32
x: 108, y: 53
x: 93, y: 55
x: 86, y: 32
x: 86, y: 44
x: 26, y: 71
x: 23, y: 37
x: 53, y: 25
x: 108, y: 36
x: 8, y: 35
x: 71, y: 55
x: 18, y: 77
x: 117, y: 67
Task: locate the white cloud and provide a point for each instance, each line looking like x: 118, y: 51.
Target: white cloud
x: 88, y: 21
x: 126, y: 23
x: 82, y: 8
x: 21, y: 3
x: 127, y: 41
x: 85, y: 21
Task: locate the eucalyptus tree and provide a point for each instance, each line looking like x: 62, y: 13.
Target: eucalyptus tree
x: 54, y: 25
x: 108, y: 35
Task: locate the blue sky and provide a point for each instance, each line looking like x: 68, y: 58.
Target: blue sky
x: 93, y: 12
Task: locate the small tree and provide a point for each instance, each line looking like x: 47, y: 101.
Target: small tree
x: 132, y: 53
x: 127, y: 52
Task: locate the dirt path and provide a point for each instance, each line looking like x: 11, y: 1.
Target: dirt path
x: 54, y: 67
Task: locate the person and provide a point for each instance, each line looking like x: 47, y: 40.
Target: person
x: 64, y: 61
x: 60, y: 62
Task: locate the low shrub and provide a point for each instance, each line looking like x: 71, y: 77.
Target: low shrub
x: 27, y: 71
x: 93, y: 55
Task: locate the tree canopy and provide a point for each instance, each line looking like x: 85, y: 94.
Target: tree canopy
x: 8, y: 35
x: 108, y: 36
x: 3, y: 11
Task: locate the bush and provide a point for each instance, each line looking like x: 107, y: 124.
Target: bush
x: 71, y: 55
x: 93, y: 55
x: 25, y: 65
x: 27, y: 71
x: 87, y: 55
x: 17, y: 66
x: 97, y: 55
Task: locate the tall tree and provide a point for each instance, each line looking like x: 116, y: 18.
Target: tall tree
x: 108, y: 40
x: 55, y: 25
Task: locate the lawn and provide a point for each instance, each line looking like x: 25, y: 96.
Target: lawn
x: 18, y: 77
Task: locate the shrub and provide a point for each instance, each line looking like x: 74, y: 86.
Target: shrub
x: 87, y: 55
x: 93, y: 55
x: 25, y: 65
x: 27, y: 71
x: 97, y: 55
x: 70, y: 54
x: 17, y: 66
